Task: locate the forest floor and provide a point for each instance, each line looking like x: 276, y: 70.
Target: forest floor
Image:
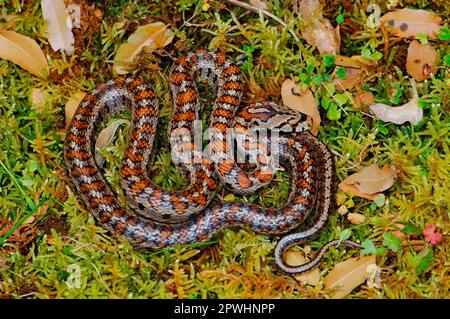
x: 51, y: 247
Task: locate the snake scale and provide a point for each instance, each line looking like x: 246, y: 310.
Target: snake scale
x: 157, y: 218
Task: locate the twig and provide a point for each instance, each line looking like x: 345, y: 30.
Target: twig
x: 251, y: 8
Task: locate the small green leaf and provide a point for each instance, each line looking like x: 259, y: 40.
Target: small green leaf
x: 410, y: 229
x: 317, y: 79
x: 422, y: 37
x: 382, y: 128
x: 373, y: 207
x: 340, y: 98
x: 341, y: 73
x: 447, y: 60
x: 329, y: 88
x: 444, y: 33
x: 392, y: 242
x: 324, y: 102
x: 329, y: 60
x: 369, y: 248
x: 345, y: 234
x: 423, y: 104
x: 379, y: 200
x: 333, y: 113
x: 340, y: 18
x: 420, y: 262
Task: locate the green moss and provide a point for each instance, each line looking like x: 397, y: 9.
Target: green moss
x: 64, y: 253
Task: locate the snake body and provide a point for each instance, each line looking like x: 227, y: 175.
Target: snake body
x: 159, y: 218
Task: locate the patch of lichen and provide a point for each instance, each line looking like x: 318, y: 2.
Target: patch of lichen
x: 44, y: 261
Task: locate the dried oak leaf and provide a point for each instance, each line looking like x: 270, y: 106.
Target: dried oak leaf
x: 302, y: 101
x: 421, y: 60
x: 408, y: 112
x: 372, y: 179
x: 149, y: 38
x: 24, y: 52
x: 405, y: 23
x: 348, y: 275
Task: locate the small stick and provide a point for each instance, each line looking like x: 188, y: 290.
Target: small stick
x: 251, y: 8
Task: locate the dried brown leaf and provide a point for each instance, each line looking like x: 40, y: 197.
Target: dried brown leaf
x: 105, y: 137
x: 150, y: 37
x: 348, y: 275
x: 296, y: 258
x: 372, y: 179
x: 302, y: 101
x: 421, y: 60
x: 24, y: 52
x: 72, y: 105
x: 352, y: 190
x: 405, y: 23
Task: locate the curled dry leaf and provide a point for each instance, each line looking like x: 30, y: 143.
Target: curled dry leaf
x: 302, y: 101
x: 407, y: 23
x: 409, y: 112
x: 24, y: 52
x: 372, y: 179
x: 72, y: 105
x: 105, y: 137
x: 356, y: 219
x: 348, y: 275
x: 318, y: 30
x: 296, y: 258
x: 59, y: 25
x: 421, y: 60
x: 151, y: 36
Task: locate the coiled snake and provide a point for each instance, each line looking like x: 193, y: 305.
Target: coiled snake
x: 159, y: 218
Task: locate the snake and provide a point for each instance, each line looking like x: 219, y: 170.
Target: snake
x: 155, y: 218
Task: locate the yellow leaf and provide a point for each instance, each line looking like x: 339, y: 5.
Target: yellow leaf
x: 24, y: 52
x: 372, y: 179
x: 59, y: 25
x: 105, y: 137
x: 295, y: 258
x: 421, y: 60
x: 72, y: 105
x: 407, y: 23
x: 348, y: 275
x: 152, y: 36
x: 302, y: 101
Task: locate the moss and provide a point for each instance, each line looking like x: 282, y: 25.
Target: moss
x: 62, y: 252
